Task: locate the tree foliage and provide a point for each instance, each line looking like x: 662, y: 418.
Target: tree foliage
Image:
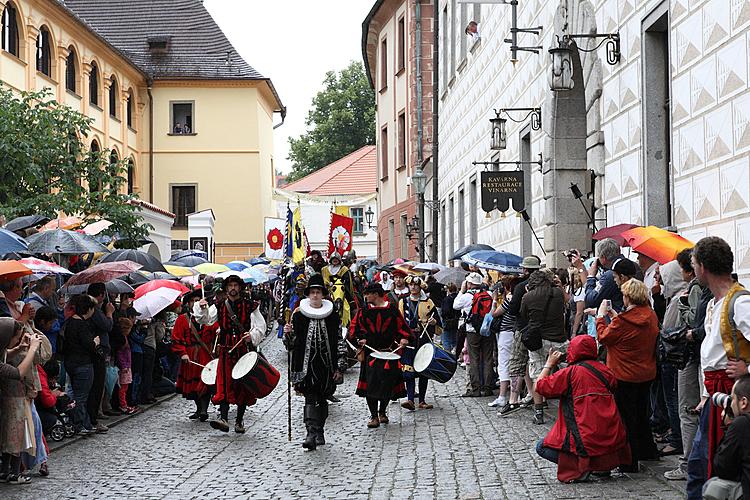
x: 46, y: 167
x: 341, y: 120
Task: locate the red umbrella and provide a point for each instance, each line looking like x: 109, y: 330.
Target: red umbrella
x: 614, y: 232
x: 103, y: 272
x: 157, y: 284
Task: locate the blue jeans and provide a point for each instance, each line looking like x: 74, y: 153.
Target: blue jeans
x: 449, y: 340
x: 697, y: 466
x: 546, y: 453
x: 669, y: 388
x: 81, y: 380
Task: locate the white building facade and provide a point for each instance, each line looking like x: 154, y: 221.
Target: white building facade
x: 660, y: 138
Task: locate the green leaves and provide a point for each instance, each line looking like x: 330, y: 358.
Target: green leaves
x: 44, y: 157
x: 341, y: 120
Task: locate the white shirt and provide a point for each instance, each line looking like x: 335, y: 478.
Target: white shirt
x: 462, y: 303
x: 713, y: 355
x: 209, y: 316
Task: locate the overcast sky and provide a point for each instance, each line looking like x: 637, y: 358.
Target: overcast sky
x: 293, y: 42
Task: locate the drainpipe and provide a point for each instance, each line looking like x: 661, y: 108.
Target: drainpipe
x: 435, y: 91
x: 283, y: 117
x: 418, y: 54
x: 149, y: 84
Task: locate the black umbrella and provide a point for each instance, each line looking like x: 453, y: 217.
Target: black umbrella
x: 148, y: 261
x: 470, y: 248
x: 136, y: 278
x: 26, y: 221
x: 187, y: 253
x: 64, y: 242
x: 188, y: 261
x: 115, y: 286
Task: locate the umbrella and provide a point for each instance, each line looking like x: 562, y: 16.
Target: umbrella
x: 238, y: 265
x: 159, y: 275
x: 180, y: 271
x: 243, y: 275
x: 137, y: 278
x: 430, y: 267
x: 210, y: 267
x: 451, y: 275
x: 176, y: 255
x: 258, y: 260
x: 25, y: 222
x: 39, y: 266
x: 65, y: 242
x: 505, y: 262
x: 659, y: 244
x: 148, y: 261
x: 470, y: 248
x: 11, y: 242
x: 157, y: 284
x: 103, y: 272
x: 189, y: 261
x: 97, y: 227
x: 62, y: 223
x: 614, y: 232
x: 152, y: 303
x: 13, y: 269
x: 114, y: 287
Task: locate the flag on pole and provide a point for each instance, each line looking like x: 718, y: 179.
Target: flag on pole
x: 275, y: 229
x: 341, y: 210
x: 340, y: 235
x: 295, y: 246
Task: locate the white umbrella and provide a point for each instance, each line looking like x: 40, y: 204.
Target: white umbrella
x: 155, y: 301
x: 432, y: 267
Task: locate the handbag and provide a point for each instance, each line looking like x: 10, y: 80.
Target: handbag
x: 673, y: 347
x: 531, y: 335
x: 486, y: 329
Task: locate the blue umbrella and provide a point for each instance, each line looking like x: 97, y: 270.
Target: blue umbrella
x: 238, y: 265
x: 178, y: 254
x: 505, y: 262
x: 259, y: 260
x: 188, y: 261
x: 11, y: 242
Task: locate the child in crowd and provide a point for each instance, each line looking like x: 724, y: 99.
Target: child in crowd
x: 123, y: 360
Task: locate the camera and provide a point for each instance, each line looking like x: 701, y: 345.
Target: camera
x: 723, y: 401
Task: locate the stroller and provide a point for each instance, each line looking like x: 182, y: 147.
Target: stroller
x: 64, y: 426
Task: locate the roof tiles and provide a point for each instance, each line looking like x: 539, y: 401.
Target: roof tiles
x: 355, y: 173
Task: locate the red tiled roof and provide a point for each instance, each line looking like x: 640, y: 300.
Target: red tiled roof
x: 355, y: 173
x: 151, y: 207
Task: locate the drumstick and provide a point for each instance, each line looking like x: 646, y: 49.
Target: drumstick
x: 193, y: 362
x: 238, y: 342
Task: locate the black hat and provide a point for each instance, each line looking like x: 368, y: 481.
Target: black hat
x: 625, y: 267
x: 375, y: 288
x: 231, y: 278
x: 316, y: 281
x: 192, y: 294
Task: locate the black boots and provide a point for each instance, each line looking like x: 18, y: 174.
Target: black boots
x: 311, y: 423
x: 202, y: 404
x: 322, y: 416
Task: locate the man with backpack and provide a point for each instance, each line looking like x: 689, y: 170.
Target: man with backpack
x: 475, y: 304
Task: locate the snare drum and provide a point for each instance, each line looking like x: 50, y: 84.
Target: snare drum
x: 435, y: 363
x: 385, y: 356
x: 255, y: 372
x: 208, y: 374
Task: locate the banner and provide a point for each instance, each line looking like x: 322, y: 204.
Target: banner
x: 341, y: 210
x: 340, y: 235
x: 295, y: 244
x: 499, y: 188
x: 275, y: 229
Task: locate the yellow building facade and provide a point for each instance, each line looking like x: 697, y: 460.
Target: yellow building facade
x: 193, y: 119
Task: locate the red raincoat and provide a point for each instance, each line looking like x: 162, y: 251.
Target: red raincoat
x: 589, y: 432
x: 184, y: 341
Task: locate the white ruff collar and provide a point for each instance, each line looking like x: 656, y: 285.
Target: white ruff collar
x: 322, y: 312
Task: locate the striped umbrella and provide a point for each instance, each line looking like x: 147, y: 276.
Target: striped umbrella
x: 39, y: 266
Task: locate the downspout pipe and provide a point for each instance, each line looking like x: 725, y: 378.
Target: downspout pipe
x: 149, y: 86
x: 283, y: 117
x: 435, y: 102
x: 418, y: 54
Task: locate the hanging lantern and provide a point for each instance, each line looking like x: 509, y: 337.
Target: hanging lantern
x: 561, y: 73
x: 499, y: 139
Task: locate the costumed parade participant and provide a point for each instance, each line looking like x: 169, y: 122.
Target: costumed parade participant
x: 312, y: 337
x: 379, y: 325
x: 241, y: 329
x: 400, y: 289
x: 336, y: 268
x: 422, y: 317
x: 193, y: 343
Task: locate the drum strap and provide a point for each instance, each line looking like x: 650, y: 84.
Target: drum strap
x: 235, y: 320
x: 197, y: 337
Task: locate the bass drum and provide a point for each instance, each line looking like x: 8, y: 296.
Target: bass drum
x: 256, y: 373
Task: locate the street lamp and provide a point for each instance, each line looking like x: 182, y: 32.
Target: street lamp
x: 561, y: 73
x: 499, y: 138
x: 369, y: 215
x: 419, y: 181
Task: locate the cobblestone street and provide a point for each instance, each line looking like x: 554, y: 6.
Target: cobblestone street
x: 460, y: 449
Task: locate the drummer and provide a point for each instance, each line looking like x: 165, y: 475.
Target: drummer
x: 380, y: 326
x: 241, y: 329
x: 422, y: 317
x: 312, y: 337
x: 193, y: 343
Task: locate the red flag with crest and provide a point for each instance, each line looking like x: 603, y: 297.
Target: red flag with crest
x: 340, y: 236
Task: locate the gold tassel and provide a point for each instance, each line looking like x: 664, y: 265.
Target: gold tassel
x: 518, y: 214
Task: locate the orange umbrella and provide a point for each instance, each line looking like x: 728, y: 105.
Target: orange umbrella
x: 69, y: 222
x: 12, y: 269
x: 659, y: 244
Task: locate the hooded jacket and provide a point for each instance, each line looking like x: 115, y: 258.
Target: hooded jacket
x: 7, y: 327
x: 631, y: 343
x: 589, y: 432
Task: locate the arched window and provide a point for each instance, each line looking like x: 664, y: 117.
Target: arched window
x: 129, y: 109
x: 44, y: 52
x: 91, y: 179
x: 71, y: 73
x: 113, y: 97
x: 9, y: 29
x: 131, y: 176
x: 94, y: 84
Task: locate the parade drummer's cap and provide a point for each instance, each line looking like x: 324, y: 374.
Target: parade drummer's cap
x: 375, y: 288
x: 416, y: 280
x: 531, y: 262
x: 192, y: 294
x: 398, y: 272
x: 233, y: 278
x: 316, y: 281
x: 474, y: 278
x: 625, y: 267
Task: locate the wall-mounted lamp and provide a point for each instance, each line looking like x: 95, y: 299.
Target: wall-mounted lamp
x: 369, y: 215
x: 561, y: 73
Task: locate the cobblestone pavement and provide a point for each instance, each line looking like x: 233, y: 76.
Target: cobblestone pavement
x: 460, y: 449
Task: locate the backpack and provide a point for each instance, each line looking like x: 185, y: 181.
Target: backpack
x: 480, y: 306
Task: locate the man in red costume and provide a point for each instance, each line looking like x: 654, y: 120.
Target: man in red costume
x: 193, y: 343
x: 241, y: 329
